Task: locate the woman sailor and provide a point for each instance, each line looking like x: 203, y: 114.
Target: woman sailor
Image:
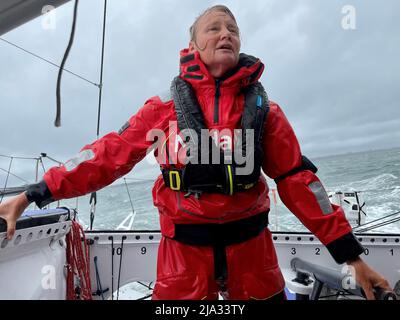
x: 211, y: 196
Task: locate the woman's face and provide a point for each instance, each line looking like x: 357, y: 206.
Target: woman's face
x: 218, y: 42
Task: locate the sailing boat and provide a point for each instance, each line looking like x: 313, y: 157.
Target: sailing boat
x: 33, y: 265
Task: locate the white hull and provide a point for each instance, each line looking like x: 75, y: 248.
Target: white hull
x: 33, y: 266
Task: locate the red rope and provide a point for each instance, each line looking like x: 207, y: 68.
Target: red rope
x: 78, y: 273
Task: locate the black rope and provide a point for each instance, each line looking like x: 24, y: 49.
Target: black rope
x: 57, y: 121
x: 8, y: 174
x: 120, y: 264
x: 93, y: 199
x: 112, y: 266
x: 148, y: 286
x: 101, y: 69
x: 145, y: 297
x: 49, y: 62
x: 98, y: 282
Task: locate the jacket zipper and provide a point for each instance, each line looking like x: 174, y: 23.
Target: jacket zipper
x: 216, y: 100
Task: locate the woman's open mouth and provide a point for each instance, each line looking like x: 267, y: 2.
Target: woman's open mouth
x: 225, y: 47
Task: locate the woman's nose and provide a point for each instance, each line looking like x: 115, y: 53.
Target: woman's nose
x: 225, y: 33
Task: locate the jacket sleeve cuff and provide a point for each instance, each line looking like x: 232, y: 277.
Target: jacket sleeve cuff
x: 345, y: 248
x: 39, y: 193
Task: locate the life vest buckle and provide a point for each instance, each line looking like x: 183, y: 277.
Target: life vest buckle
x: 172, y: 185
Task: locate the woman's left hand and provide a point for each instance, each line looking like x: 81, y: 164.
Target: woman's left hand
x: 368, y: 278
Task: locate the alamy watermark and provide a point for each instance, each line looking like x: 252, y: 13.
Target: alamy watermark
x: 49, y: 18
x: 349, y: 279
x: 210, y: 146
x: 49, y: 277
x: 349, y: 18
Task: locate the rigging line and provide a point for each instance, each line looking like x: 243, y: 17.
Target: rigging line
x: 145, y: 285
x: 385, y: 223
x: 378, y: 225
x: 15, y: 175
x: 57, y: 121
x: 5, y: 185
x: 381, y: 218
x: 101, y: 68
x: 49, y: 62
x: 130, y: 199
x: 145, y: 297
x: 23, y: 158
x: 45, y: 155
x: 41, y: 161
x: 37, y: 170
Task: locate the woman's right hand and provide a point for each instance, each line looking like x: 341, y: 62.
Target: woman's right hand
x: 11, y: 210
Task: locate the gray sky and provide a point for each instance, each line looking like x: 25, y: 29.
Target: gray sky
x: 339, y: 88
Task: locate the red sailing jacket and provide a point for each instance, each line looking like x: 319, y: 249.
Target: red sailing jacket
x: 115, y: 154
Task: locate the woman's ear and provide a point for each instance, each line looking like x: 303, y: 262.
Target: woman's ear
x: 191, y: 46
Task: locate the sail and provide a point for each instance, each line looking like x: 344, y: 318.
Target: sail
x: 14, y: 13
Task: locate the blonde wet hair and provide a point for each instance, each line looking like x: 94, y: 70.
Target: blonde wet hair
x: 219, y: 8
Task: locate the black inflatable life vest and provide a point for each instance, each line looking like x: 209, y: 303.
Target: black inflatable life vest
x: 233, y: 172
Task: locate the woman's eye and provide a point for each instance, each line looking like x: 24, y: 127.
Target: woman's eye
x: 233, y: 30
